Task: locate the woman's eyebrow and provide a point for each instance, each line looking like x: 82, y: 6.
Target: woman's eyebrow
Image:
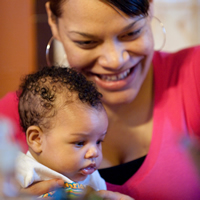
x: 129, y: 26
x: 132, y: 24
x: 88, y: 35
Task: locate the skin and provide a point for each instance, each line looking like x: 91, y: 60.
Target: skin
x: 74, y: 144
x: 106, y: 50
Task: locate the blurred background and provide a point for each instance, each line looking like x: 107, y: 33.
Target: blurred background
x: 25, y: 33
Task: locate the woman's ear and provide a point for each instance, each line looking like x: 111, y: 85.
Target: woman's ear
x: 52, y: 21
x: 34, y: 138
x: 151, y: 9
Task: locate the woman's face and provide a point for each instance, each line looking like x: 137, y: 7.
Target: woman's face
x: 110, y: 48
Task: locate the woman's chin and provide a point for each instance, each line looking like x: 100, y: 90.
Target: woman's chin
x: 119, y: 97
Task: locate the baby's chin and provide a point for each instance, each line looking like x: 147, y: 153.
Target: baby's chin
x: 78, y: 177
x: 84, y: 173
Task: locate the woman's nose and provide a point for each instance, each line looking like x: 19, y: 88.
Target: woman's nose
x: 92, y: 152
x: 113, y: 56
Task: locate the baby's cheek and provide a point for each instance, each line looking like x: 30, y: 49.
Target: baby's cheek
x: 99, y: 160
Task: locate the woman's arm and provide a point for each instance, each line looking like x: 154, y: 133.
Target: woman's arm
x: 108, y: 195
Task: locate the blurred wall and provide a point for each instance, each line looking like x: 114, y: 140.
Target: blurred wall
x: 181, y: 19
x: 17, y: 42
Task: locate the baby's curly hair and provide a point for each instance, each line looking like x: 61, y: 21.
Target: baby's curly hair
x: 38, y: 94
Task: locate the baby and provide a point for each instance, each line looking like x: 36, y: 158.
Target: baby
x: 65, y: 123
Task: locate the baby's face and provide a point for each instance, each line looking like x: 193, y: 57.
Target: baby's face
x: 73, y: 146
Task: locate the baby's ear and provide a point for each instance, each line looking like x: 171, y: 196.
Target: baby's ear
x: 34, y: 138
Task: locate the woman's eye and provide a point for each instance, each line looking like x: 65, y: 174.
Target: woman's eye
x: 87, y: 44
x: 131, y: 35
x: 79, y: 144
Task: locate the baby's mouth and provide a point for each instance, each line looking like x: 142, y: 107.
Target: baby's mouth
x: 89, y: 169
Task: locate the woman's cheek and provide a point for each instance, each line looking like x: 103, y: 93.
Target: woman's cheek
x: 147, y: 42
x: 77, y: 60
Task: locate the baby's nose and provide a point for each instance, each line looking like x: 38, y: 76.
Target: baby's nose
x: 92, y: 152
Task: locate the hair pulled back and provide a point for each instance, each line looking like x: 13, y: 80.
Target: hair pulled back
x: 129, y: 7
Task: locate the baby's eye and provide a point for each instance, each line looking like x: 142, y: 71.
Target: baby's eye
x: 99, y: 142
x: 88, y: 44
x: 79, y: 144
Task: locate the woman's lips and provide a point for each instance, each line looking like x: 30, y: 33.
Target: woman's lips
x: 115, y: 81
x: 118, y: 77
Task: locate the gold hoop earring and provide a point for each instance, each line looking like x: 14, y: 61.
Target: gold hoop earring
x: 59, y: 51
x: 159, y: 34
x: 47, y: 51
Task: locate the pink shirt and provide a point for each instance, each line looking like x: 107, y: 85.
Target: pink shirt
x: 167, y: 172
x: 9, y: 109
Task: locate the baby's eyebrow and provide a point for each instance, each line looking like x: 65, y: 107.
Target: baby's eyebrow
x: 86, y: 134
x: 104, y: 133
x: 80, y: 134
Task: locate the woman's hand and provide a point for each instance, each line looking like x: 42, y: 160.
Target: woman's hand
x: 42, y: 187
x: 108, y: 195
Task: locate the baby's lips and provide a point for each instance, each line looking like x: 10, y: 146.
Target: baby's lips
x: 88, y: 170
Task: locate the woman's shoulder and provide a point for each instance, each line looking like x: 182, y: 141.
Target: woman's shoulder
x: 9, y: 110
x: 181, y: 56
x: 10, y: 99
x: 174, y: 65
x: 9, y: 104
x: 176, y: 76
x: 10, y: 95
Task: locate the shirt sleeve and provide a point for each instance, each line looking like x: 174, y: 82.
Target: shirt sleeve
x: 9, y: 110
x: 192, y: 92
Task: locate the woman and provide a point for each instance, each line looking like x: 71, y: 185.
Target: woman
x: 152, y: 98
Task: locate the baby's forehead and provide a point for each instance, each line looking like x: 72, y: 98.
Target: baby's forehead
x: 72, y: 99
x: 79, y: 110
x: 78, y: 114
x: 75, y: 103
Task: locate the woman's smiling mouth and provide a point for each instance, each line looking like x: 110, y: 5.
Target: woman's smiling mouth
x: 120, y: 76
x: 114, y: 77
x: 115, y: 82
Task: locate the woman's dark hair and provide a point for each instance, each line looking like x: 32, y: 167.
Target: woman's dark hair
x: 129, y: 7
x: 43, y: 93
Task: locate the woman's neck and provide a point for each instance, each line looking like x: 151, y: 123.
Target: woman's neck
x: 139, y: 110
x: 130, y: 128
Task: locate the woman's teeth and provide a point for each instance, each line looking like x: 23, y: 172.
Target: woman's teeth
x: 115, y: 77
